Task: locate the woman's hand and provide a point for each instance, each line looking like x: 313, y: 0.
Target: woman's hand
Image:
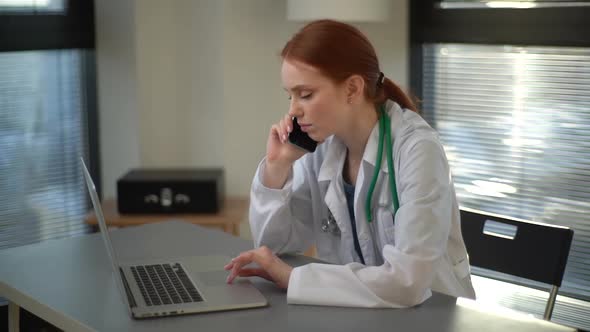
x: 280, y: 154
x: 278, y: 148
x: 270, y: 267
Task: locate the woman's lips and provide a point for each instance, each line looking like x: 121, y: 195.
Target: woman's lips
x: 305, y: 127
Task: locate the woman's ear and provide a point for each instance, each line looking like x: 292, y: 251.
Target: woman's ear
x: 355, y: 87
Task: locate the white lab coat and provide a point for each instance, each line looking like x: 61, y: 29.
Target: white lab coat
x: 422, y: 250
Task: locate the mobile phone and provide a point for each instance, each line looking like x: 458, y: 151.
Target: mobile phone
x: 301, y: 139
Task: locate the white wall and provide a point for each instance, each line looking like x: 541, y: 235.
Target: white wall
x: 255, y: 32
x: 206, y: 84
x: 117, y: 98
x: 203, y: 90
x: 162, y: 116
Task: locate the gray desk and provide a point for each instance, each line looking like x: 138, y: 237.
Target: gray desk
x: 68, y: 283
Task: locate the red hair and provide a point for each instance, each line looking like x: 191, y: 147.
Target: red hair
x: 339, y: 51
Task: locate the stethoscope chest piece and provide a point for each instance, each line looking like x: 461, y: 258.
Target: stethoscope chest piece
x: 329, y: 224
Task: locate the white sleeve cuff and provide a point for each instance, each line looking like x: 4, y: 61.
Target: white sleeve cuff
x: 338, y: 285
x: 330, y: 285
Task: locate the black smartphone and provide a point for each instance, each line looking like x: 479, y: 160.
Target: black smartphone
x: 301, y: 139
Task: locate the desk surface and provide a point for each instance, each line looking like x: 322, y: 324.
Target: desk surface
x: 68, y: 283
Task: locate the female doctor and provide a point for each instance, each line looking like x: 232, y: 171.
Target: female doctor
x: 376, y: 197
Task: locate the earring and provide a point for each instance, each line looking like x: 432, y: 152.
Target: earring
x: 349, y: 100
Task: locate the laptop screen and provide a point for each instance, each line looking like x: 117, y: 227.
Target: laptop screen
x: 103, y: 229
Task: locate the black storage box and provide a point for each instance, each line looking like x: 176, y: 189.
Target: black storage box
x: 157, y: 190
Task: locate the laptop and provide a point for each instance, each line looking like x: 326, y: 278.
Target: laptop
x: 174, y: 286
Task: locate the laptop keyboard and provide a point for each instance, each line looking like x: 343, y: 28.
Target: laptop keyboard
x: 165, y: 284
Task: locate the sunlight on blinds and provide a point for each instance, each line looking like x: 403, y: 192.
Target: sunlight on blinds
x: 515, y: 123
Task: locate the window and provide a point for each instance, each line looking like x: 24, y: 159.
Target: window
x: 511, y: 104
x: 42, y: 134
x: 515, y: 123
x: 47, y: 118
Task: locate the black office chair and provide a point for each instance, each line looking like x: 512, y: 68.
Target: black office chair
x: 530, y: 250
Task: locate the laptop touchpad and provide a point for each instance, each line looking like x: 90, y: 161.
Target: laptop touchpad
x: 213, y: 278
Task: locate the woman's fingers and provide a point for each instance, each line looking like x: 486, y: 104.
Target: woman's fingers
x: 254, y: 272
x: 258, y: 256
x: 276, y: 131
x: 236, y: 265
x: 286, y: 126
x: 283, y: 128
x: 288, y: 123
x: 270, y: 266
x: 277, y: 147
x: 228, y: 266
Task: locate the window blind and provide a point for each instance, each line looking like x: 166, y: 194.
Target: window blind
x: 42, y: 136
x: 515, y: 124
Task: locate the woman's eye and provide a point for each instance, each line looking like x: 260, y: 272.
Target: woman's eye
x: 306, y: 96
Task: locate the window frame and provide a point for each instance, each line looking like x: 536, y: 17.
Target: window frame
x: 24, y: 31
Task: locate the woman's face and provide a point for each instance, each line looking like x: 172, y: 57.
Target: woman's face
x: 315, y: 100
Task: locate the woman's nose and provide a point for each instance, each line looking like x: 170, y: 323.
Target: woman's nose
x: 294, y: 109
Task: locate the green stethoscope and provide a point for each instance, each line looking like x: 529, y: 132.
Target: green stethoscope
x: 384, y: 134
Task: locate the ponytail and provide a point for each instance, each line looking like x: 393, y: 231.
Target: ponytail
x: 392, y: 91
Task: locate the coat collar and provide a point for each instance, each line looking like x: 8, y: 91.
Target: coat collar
x: 370, y: 155
x: 336, y: 150
x: 334, y: 160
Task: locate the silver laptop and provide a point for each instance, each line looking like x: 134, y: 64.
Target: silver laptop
x: 174, y: 286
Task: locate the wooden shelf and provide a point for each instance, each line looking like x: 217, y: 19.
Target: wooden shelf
x: 228, y: 219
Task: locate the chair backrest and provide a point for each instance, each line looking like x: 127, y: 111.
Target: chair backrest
x: 526, y: 249
x: 534, y: 251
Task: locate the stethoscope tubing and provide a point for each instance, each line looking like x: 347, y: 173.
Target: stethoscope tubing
x: 384, y: 134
